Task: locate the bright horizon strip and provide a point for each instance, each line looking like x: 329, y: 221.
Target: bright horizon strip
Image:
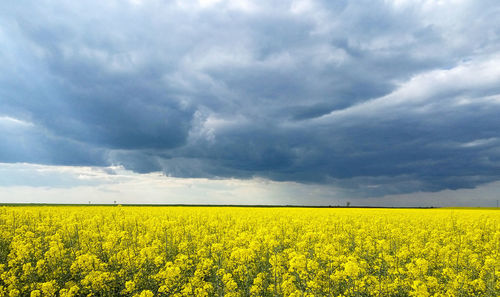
x: 97, y: 185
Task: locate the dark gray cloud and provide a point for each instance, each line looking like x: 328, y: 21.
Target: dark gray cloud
x: 375, y: 97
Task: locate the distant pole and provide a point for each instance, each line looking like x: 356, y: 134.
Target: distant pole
x: 497, y: 203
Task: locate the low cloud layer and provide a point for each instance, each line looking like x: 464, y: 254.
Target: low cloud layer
x: 31, y: 183
x: 371, y: 97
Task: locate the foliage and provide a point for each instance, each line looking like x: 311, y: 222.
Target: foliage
x: 196, y: 251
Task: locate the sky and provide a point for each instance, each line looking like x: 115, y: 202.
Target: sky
x: 384, y: 103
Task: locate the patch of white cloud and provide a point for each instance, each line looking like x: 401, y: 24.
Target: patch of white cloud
x: 207, y: 126
x: 428, y: 4
x: 314, y: 11
x: 485, y: 100
x: 303, y: 6
x: 480, y: 142
x: 7, y: 121
x: 137, y: 2
x: 109, y: 184
x: 208, y: 3
x: 246, y: 6
x: 36, y: 175
x: 436, y: 86
x: 215, y: 124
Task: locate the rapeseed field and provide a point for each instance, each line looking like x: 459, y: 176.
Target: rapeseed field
x: 223, y: 251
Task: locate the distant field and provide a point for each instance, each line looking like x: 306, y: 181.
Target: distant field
x: 244, y: 251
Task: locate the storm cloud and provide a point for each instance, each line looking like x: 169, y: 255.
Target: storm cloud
x: 372, y: 97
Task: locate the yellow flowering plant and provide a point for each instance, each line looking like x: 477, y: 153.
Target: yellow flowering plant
x: 214, y: 251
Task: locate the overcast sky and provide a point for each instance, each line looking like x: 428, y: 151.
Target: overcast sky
x: 301, y: 102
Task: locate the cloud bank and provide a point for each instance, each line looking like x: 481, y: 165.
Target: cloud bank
x: 371, y: 97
